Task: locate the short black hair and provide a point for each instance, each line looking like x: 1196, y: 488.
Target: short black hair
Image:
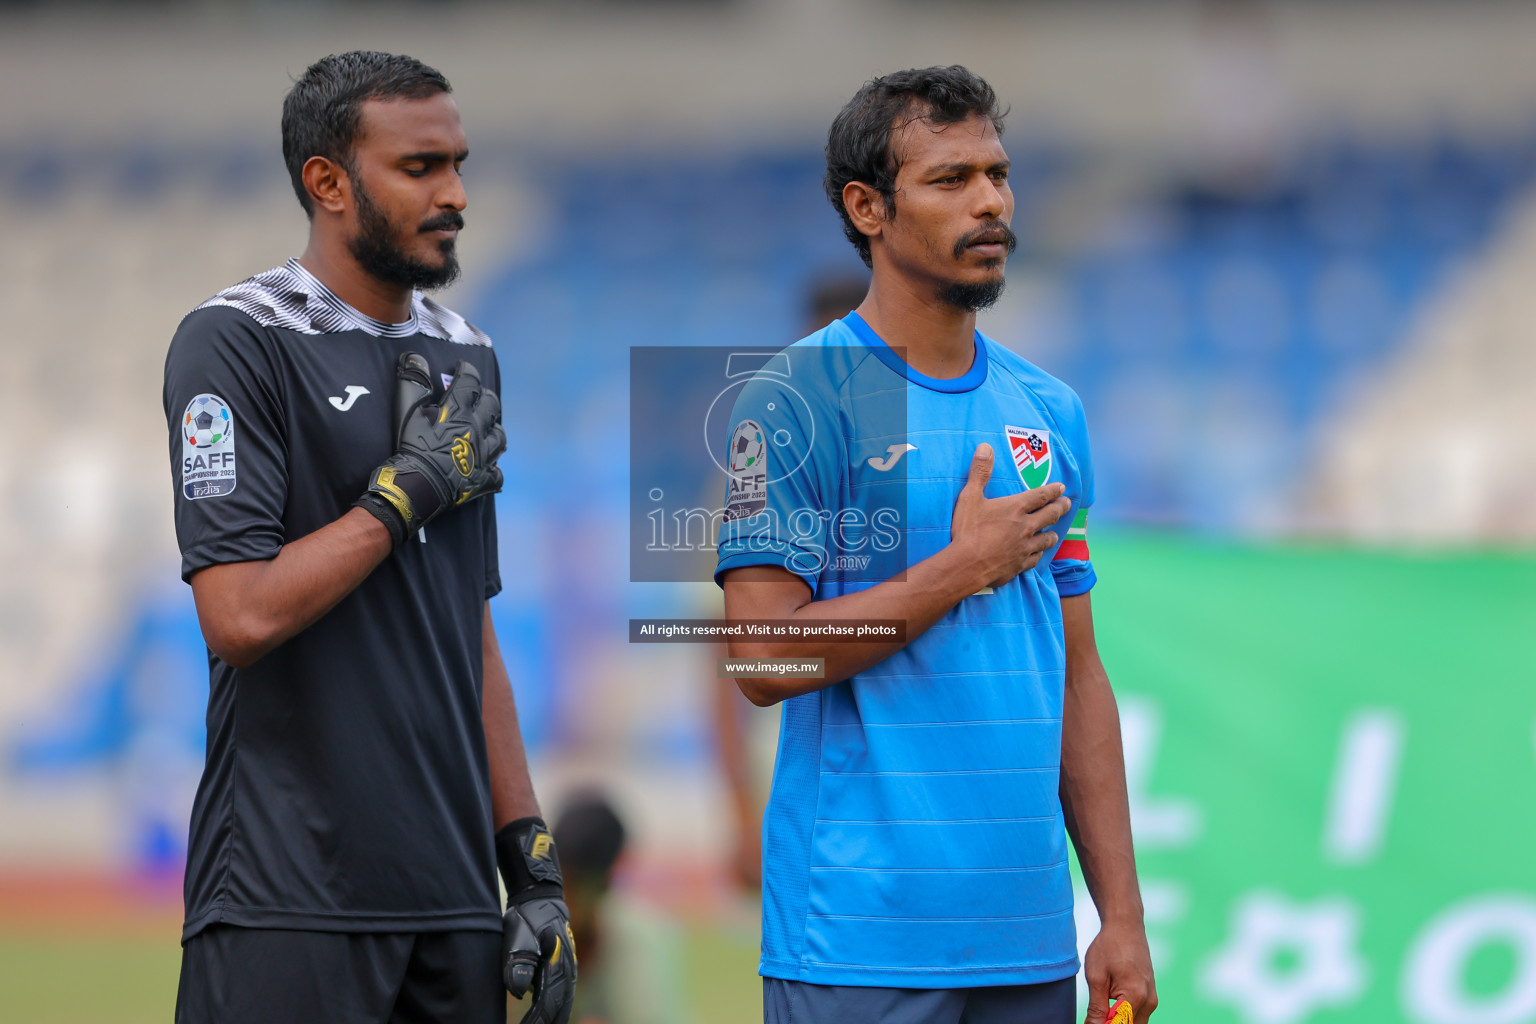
x: 322, y: 113
x: 859, y: 143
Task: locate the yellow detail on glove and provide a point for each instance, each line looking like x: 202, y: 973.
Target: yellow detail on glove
x: 394, y: 495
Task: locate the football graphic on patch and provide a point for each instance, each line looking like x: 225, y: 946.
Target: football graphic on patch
x: 207, y: 422
x: 746, y: 447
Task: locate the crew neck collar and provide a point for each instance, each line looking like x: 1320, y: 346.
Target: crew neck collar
x: 968, y: 381
x: 362, y: 321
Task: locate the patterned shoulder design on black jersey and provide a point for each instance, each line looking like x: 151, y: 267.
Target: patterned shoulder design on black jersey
x: 442, y: 322
x: 291, y: 298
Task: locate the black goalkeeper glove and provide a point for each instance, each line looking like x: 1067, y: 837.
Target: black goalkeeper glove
x: 446, y: 446
x: 538, y: 949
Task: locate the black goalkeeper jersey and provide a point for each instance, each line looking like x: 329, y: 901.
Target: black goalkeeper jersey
x: 346, y: 786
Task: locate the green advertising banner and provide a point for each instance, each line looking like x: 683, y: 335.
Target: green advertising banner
x: 1332, y: 763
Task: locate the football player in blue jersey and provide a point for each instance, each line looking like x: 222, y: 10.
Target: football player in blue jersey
x: 915, y: 864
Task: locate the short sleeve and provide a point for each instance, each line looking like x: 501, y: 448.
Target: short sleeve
x: 491, y: 376
x: 487, y: 512
x: 228, y: 448
x: 781, y: 460
x: 1072, y: 565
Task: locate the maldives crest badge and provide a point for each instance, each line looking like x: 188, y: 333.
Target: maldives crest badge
x: 1031, y: 449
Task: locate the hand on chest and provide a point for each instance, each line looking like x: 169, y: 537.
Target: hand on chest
x: 342, y: 409
x: 928, y: 461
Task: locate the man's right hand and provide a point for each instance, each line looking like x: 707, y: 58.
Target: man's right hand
x: 1004, y: 537
x: 445, y: 454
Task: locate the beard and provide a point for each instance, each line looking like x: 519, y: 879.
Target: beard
x: 972, y: 296
x: 377, y: 249
x: 975, y: 296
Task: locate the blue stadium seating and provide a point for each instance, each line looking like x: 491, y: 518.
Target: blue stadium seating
x: 1209, y: 338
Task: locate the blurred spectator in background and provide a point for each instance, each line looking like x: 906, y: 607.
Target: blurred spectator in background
x: 748, y: 735
x: 834, y: 299
x: 631, y: 963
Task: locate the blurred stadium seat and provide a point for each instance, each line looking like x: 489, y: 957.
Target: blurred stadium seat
x: 1212, y: 339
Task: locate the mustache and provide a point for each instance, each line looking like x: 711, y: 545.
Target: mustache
x: 987, y: 234
x: 449, y: 220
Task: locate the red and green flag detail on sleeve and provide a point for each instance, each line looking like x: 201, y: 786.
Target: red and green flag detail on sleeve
x: 1075, y: 544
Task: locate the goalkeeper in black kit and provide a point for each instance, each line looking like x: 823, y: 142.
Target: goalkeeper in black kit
x: 334, y: 436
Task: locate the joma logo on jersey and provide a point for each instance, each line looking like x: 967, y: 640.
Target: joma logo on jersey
x: 353, y: 392
x: 1031, y: 448
x: 893, y: 455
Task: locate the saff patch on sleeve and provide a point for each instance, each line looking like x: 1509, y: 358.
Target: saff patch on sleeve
x: 208, y: 452
x: 748, y: 472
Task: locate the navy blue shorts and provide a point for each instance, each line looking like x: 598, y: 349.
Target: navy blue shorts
x: 235, y: 975
x: 797, y: 1002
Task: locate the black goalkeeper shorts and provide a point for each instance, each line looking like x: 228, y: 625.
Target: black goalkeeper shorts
x: 233, y: 975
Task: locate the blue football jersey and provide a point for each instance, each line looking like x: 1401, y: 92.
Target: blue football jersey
x: 914, y: 835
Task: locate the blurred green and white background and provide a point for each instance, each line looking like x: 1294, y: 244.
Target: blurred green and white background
x: 1284, y: 252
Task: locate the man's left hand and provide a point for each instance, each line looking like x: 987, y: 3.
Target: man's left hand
x: 1119, y: 966
x: 538, y: 952
x: 538, y: 948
